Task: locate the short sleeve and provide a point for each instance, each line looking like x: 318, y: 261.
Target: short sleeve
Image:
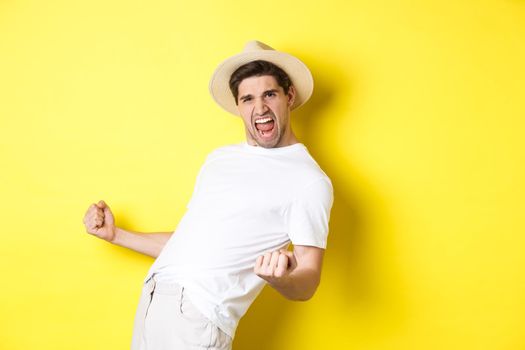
x: 309, y: 213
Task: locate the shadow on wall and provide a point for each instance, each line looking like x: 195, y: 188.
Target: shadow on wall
x: 348, y: 268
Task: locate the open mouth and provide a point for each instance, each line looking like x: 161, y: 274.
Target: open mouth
x: 265, y: 126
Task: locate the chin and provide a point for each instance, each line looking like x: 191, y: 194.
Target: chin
x: 267, y: 143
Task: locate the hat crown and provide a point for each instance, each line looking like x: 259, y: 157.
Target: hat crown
x: 255, y: 45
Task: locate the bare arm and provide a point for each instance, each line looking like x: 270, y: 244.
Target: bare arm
x: 296, y: 274
x: 99, y: 222
x: 146, y: 243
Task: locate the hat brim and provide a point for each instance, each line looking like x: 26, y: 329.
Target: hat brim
x: 299, y: 74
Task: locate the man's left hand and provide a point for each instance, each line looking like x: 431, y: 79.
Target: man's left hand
x: 274, y: 267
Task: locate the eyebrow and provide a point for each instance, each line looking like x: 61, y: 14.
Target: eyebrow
x: 265, y: 92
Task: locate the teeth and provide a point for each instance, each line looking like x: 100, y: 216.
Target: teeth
x: 263, y: 120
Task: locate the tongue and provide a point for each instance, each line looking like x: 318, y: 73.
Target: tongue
x: 265, y: 126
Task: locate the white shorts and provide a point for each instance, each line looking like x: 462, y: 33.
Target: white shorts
x: 167, y: 320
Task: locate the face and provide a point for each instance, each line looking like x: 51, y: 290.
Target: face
x: 265, y: 110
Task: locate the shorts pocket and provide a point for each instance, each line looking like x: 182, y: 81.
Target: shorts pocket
x: 189, y: 311
x: 198, y: 327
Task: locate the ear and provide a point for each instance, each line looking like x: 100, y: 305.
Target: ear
x: 291, y: 96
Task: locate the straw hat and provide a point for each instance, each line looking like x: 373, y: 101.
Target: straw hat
x: 255, y: 50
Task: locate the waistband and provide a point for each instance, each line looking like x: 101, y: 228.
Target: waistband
x: 168, y: 288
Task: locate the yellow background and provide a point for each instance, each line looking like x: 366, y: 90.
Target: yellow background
x: 418, y: 118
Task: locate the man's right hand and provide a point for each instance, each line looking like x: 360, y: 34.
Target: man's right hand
x: 99, y: 221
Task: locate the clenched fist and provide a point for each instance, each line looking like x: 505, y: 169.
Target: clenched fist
x: 275, y: 266
x: 99, y: 221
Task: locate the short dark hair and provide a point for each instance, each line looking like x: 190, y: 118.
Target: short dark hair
x: 256, y: 69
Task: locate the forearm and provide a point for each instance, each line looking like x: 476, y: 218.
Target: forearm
x: 299, y: 285
x: 150, y: 244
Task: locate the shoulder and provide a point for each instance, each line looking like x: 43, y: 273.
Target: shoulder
x: 320, y: 189
x: 224, y: 150
x: 310, y: 172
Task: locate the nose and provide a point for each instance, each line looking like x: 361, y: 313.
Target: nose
x: 260, y: 107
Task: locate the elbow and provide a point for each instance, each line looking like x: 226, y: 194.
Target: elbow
x: 303, y: 298
x: 306, y: 293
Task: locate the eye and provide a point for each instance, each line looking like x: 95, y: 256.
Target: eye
x: 270, y: 94
x: 246, y: 99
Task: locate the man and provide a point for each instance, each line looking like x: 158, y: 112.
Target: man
x: 250, y: 201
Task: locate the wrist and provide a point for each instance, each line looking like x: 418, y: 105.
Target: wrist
x: 117, y: 232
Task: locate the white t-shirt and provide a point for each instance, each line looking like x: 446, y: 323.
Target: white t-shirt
x: 247, y: 201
